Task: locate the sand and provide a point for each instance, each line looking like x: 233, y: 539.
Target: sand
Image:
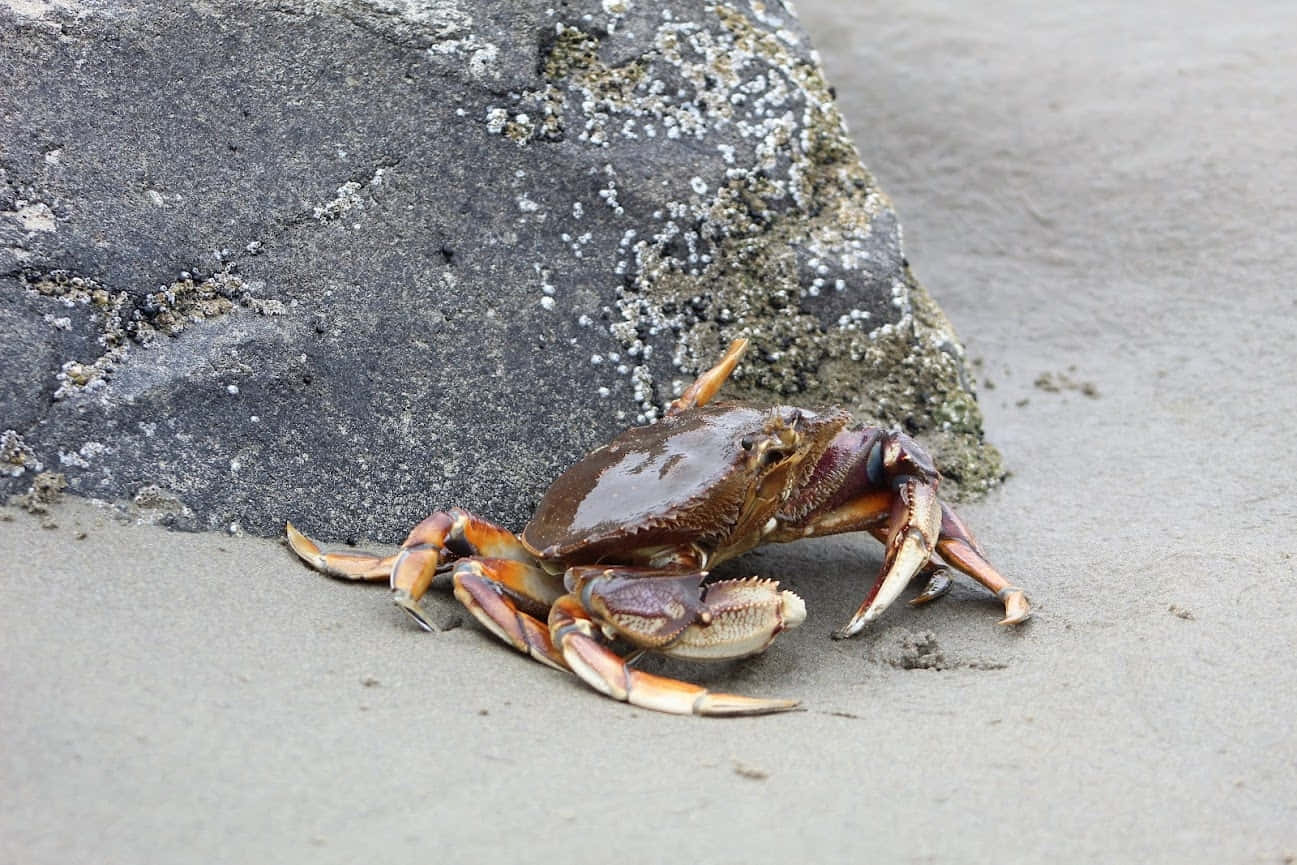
x: 1102, y: 198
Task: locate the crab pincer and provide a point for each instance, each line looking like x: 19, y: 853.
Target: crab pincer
x: 671, y: 614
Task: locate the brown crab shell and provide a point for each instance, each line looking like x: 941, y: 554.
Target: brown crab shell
x: 683, y: 480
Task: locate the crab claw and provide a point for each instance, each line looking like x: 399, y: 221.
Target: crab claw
x: 915, y: 528
x: 607, y: 673
x: 910, y: 556
x: 744, y: 617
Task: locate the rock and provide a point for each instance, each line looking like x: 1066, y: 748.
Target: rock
x: 348, y: 261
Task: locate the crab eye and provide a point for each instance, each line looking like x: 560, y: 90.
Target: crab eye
x: 747, y: 442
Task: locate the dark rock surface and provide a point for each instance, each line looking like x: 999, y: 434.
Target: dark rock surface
x: 348, y: 262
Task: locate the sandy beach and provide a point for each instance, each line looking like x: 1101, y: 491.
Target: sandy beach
x: 1101, y: 196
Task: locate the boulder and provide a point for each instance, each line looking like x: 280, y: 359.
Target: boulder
x: 350, y: 261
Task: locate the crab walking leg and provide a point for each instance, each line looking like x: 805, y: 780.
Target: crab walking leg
x: 707, y: 384
x: 494, y: 589
x: 953, y: 527
x: 574, y: 635
x: 440, y: 538
x: 912, y: 536
x: 343, y: 565
x: 958, y: 547
x: 939, y: 584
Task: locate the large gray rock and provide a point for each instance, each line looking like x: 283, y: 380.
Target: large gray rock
x: 348, y: 261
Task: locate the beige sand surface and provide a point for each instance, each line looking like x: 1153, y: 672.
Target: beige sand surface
x: 1100, y: 193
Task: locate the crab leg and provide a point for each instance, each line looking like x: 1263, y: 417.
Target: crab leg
x: 343, y: 565
x: 438, y: 539
x: 939, y: 584
x: 958, y: 547
x: 578, y: 639
x: 494, y: 589
x: 442, y: 537
x: 707, y: 384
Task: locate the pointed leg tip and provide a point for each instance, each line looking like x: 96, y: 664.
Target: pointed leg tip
x: 939, y: 584
x: 411, y: 607
x: 736, y: 348
x: 734, y: 705
x: 1016, y: 608
x: 306, y: 549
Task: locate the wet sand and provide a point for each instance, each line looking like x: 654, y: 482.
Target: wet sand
x: 1102, y: 199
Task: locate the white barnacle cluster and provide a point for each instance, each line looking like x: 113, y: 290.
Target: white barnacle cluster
x: 105, y: 307
x: 16, y: 456
x: 496, y: 118
x: 347, y: 198
x: 81, y: 457
x: 767, y: 235
x: 577, y: 243
x: 546, y: 287
x: 123, y: 321
x: 608, y: 194
x: 853, y: 319
x: 441, y: 25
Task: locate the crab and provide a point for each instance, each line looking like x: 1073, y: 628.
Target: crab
x: 616, y: 553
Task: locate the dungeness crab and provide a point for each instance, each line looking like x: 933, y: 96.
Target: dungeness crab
x: 620, y: 544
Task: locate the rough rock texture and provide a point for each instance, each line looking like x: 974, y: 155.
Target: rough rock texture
x: 347, y: 261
